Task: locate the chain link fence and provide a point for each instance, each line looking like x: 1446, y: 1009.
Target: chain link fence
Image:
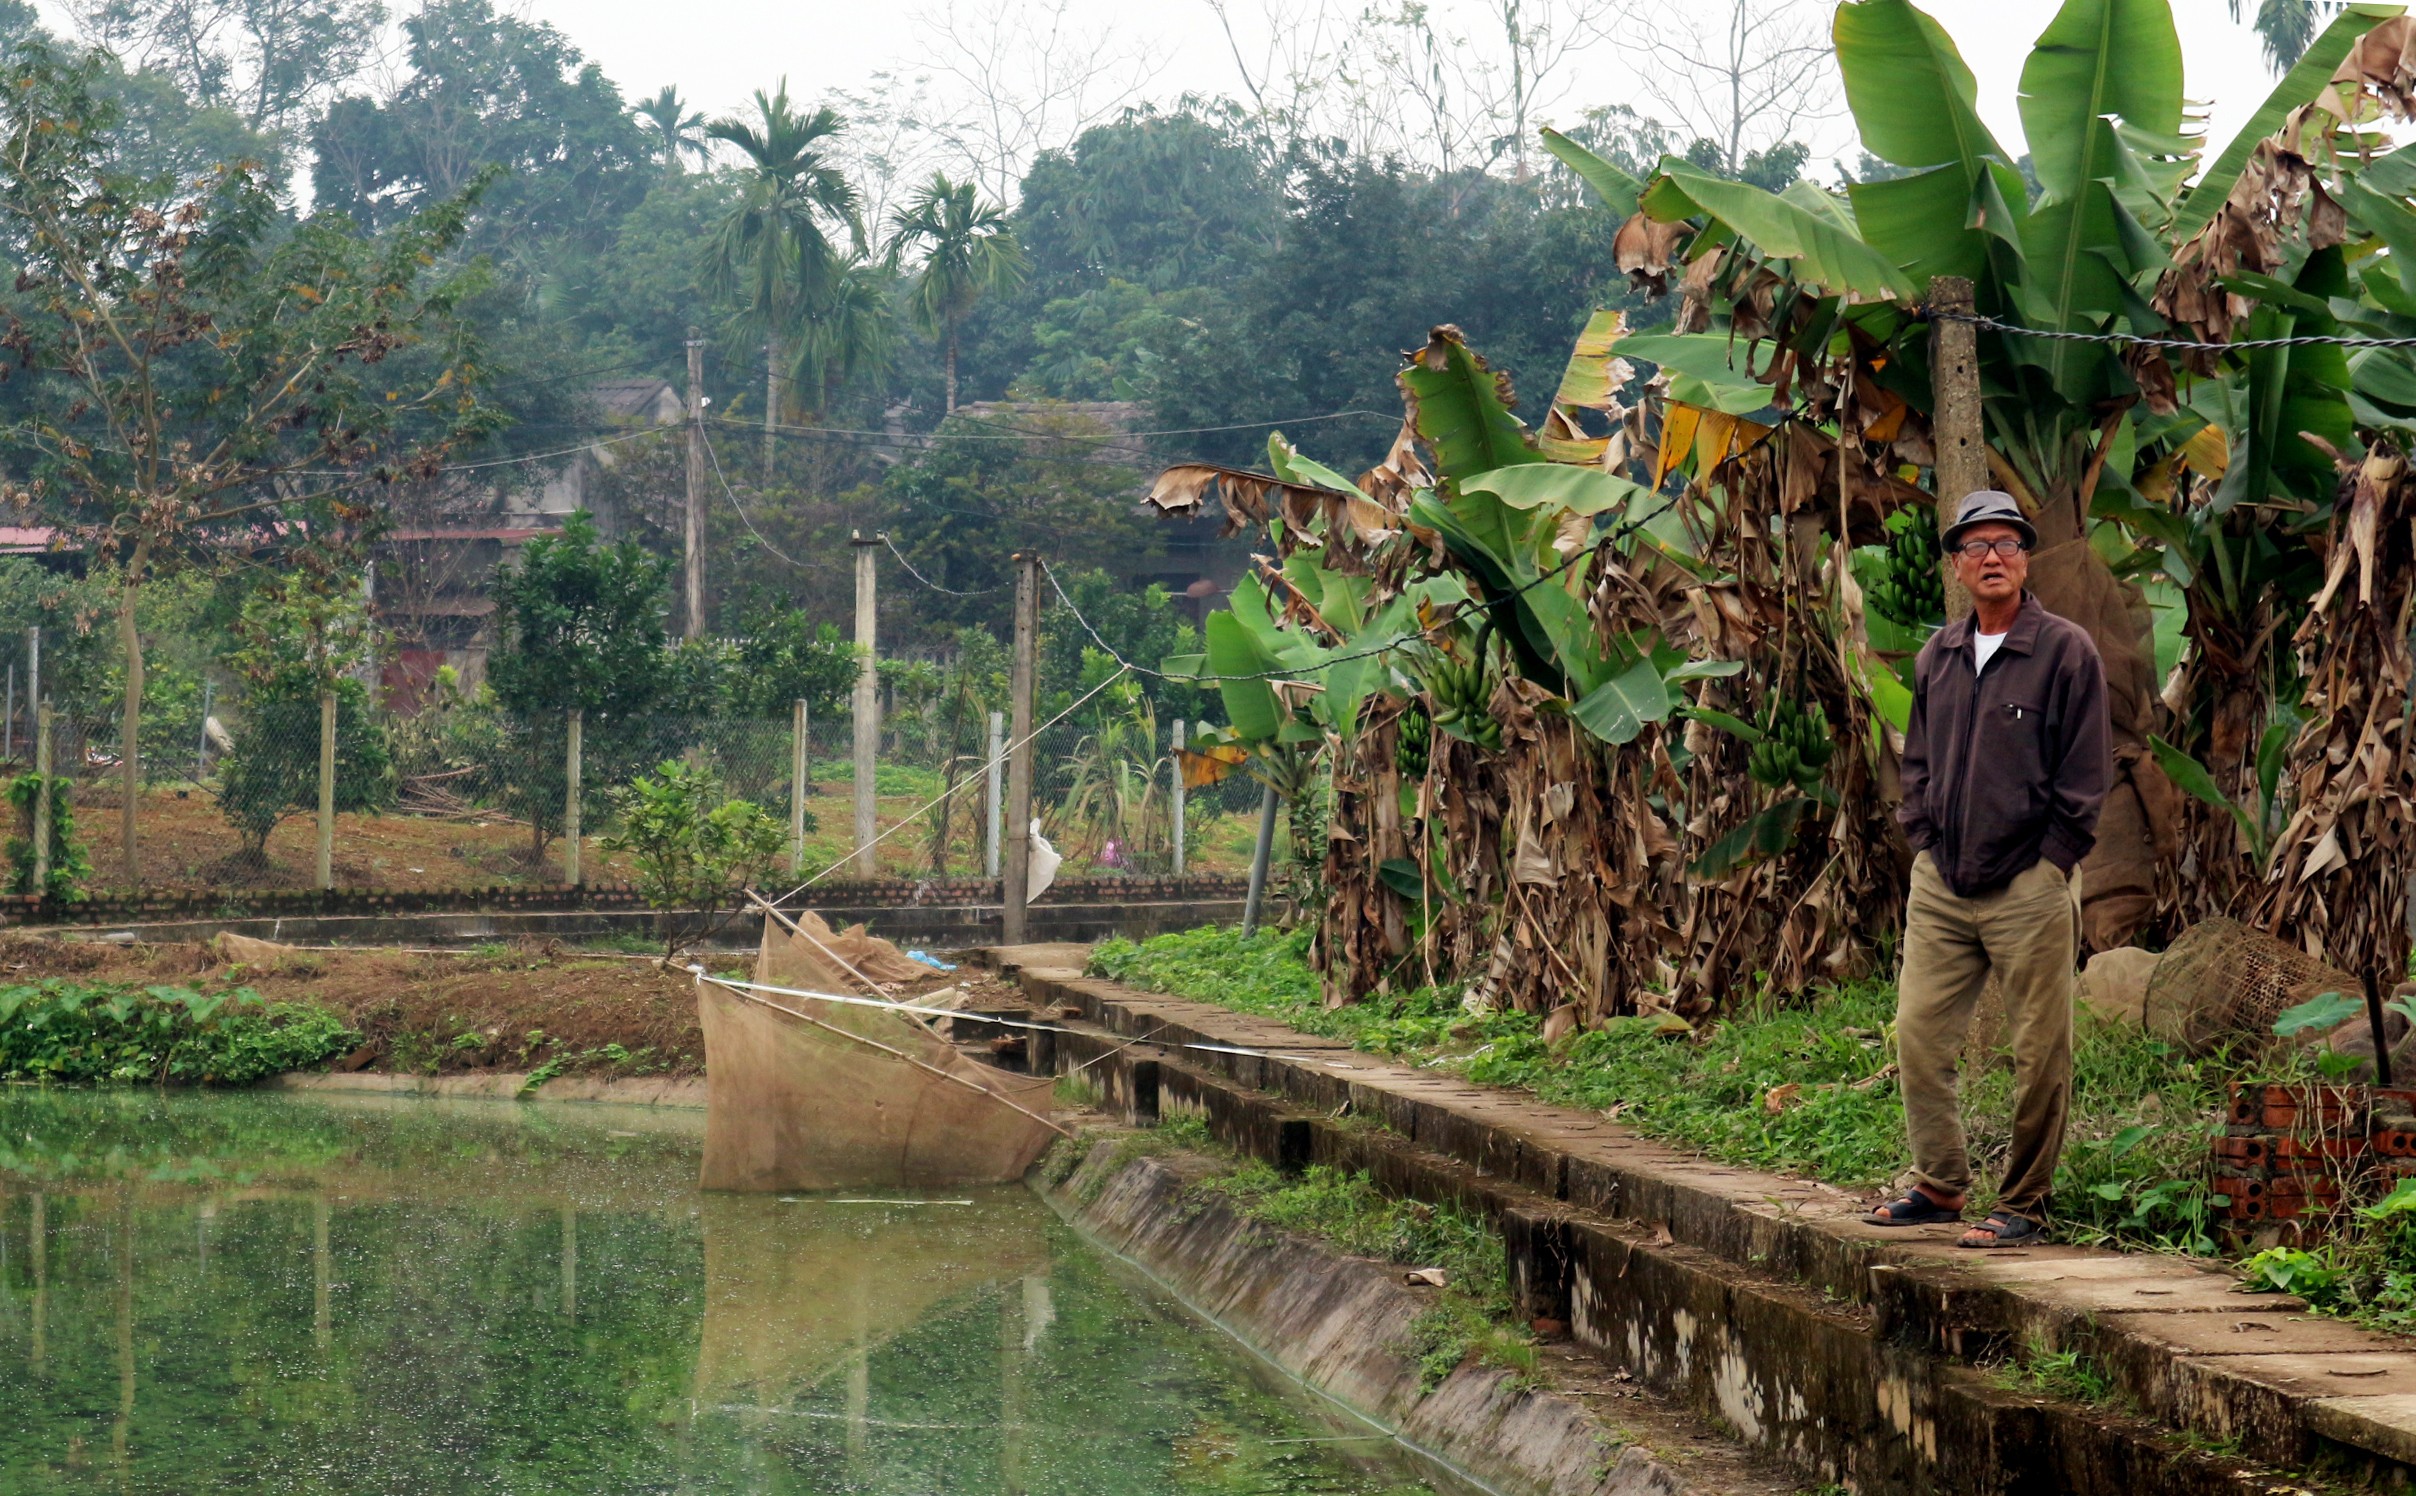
x: 227, y: 795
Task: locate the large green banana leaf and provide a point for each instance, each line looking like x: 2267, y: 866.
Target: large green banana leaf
x: 1912, y: 96
x: 1616, y: 188
x: 1821, y: 246
x: 2098, y: 59
x: 1459, y: 411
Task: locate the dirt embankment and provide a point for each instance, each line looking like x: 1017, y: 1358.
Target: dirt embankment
x: 492, y: 1008
x: 537, y: 1005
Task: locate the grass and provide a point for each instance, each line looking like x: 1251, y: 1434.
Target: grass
x: 1804, y: 1088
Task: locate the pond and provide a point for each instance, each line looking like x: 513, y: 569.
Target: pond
x: 257, y: 1292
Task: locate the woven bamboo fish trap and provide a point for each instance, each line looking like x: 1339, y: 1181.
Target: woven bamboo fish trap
x: 2224, y: 982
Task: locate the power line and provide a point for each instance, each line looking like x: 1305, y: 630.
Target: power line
x: 926, y: 581
x: 2187, y: 345
x: 1016, y: 433
x: 732, y: 495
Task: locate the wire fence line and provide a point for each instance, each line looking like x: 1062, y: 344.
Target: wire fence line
x: 460, y: 796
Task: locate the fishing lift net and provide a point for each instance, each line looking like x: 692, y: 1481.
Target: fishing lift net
x: 808, y: 1094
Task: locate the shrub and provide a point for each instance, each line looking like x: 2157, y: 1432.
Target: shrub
x: 107, y: 1031
x: 692, y: 844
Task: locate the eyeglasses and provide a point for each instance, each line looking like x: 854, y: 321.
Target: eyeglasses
x: 1978, y: 550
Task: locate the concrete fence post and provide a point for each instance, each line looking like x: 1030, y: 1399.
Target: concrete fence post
x: 41, y: 797
x: 571, y: 756
x: 800, y: 785
x: 327, y: 790
x: 1174, y: 763
x: 995, y: 792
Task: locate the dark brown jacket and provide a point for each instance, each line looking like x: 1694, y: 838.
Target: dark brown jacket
x: 2004, y: 768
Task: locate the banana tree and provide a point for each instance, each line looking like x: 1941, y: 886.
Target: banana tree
x: 2207, y: 469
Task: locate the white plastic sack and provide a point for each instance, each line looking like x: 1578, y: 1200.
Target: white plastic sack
x: 1041, y: 863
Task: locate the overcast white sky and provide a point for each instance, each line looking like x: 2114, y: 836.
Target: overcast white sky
x: 717, y: 51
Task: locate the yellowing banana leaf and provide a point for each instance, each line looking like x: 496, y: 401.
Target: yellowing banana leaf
x: 1678, y: 422
x: 2208, y: 453
x: 1587, y: 383
x: 1203, y: 767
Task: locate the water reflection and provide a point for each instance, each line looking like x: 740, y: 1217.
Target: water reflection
x: 260, y: 1293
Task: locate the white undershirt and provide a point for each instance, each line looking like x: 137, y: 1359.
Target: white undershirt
x: 1982, y: 646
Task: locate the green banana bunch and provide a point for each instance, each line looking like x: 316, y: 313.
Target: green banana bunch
x: 1413, y: 742
x: 1462, y: 693
x: 1796, y: 746
x: 1910, y: 589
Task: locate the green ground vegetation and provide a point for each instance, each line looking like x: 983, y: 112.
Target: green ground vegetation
x: 110, y: 1032
x: 1805, y: 1087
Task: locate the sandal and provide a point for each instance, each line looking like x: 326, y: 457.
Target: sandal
x: 1916, y: 1208
x: 2003, y: 1229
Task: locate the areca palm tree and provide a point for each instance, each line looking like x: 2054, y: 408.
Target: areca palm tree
x: 677, y: 130
x: 773, y: 251
x: 2286, y: 27
x: 847, y: 331
x: 969, y: 251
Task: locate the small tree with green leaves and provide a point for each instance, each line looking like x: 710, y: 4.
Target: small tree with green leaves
x: 583, y: 627
x: 695, y: 848
x: 302, y: 638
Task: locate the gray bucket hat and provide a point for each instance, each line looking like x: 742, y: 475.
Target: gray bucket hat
x: 1988, y: 506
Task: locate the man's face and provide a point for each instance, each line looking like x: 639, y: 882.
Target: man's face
x: 1992, y: 576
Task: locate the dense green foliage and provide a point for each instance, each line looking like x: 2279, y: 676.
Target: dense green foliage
x: 60, y: 1030
x: 1806, y: 1089
x: 693, y: 844
x: 69, y: 866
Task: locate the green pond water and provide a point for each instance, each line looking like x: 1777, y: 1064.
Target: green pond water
x: 263, y: 1293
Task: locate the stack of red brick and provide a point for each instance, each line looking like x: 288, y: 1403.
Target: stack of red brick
x: 2294, y: 1154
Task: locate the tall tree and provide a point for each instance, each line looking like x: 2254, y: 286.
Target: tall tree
x: 271, y: 62
x: 487, y: 90
x: 676, y: 129
x: 848, y: 330
x: 969, y: 252
x: 773, y: 250
x: 206, y: 382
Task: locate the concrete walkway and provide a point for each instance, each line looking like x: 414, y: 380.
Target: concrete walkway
x: 1859, y: 1354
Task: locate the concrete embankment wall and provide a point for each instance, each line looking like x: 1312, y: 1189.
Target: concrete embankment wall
x: 1856, y: 1356
x: 1341, y: 1325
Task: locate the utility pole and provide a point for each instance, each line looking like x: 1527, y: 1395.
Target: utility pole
x: 695, y: 529
x: 1017, y: 844
x: 868, y: 700
x: 42, y: 811
x: 1955, y: 430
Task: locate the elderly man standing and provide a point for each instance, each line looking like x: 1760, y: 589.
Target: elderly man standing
x: 2006, y: 762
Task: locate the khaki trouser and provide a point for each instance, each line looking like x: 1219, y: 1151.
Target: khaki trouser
x: 2028, y: 932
